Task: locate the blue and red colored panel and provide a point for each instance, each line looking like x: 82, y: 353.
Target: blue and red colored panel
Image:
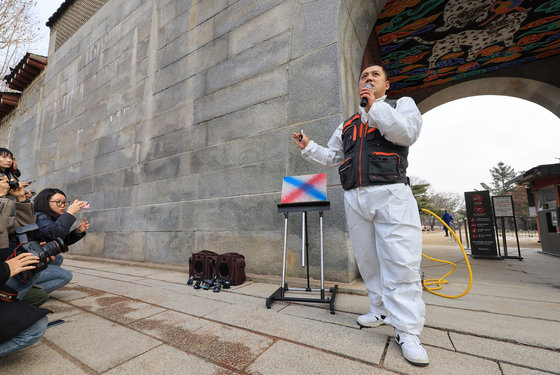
x: 306, y: 188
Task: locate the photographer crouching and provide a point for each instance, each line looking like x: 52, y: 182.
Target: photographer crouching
x: 22, y: 324
x: 53, y: 226
x: 55, y: 218
x: 16, y: 211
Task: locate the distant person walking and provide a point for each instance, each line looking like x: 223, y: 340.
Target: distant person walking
x: 448, y: 219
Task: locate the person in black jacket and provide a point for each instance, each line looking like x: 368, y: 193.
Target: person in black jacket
x: 16, y: 211
x: 22, y: 324
x: 54, y: 221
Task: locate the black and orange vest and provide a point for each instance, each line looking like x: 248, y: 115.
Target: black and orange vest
x: 369, y: 158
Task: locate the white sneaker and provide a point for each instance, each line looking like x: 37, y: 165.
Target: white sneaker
x: 412, y: 349
x: 370, y: 320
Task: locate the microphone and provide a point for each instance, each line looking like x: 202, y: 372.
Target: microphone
x: 364, y: 101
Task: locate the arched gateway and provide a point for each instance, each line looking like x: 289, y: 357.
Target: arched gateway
x: 173, y: 117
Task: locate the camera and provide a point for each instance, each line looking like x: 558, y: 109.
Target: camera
x: 44, y: 252
x: 13, y: 184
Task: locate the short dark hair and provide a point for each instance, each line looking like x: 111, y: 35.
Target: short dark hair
x: 41, y: 202
x: 382, y: 69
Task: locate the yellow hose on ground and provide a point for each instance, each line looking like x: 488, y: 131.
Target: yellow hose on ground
x: 441, y: 280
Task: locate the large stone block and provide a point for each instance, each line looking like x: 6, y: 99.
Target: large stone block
x: 177, y: 142
x: 92, y: 244
x: 105, y: 73
x: 54, y: 178
x: 142, y: 49
x: 153, y: 218
x: 136, y: 15
x: 130, y: 114
x: 245, y: 213
x: 263, y: 27
x: 46, y: 169
x: 146, y: 24
x: 173, y: 27
x: 166, y: 11
x: 116, y: 141
x: 123, y: 197
x: 200, y: 11
x: 313, y: 26
x: 263, y: 177
x: 200, y: 59
x: 240, y: 12
x: 177, y: 92
x: 183, y: 41
x: 364, y: 16
x: 116, y: 160
x: 250, y: 62
x: 76, y: 188
x: 314, y: 85
x: 125, y: 245
x: 167, y: 122
x: 172, y: 190
x: 239, y: 152
x: 251, y: 121
x: 268, y: 85
x: 160, y: 169
x: 112, y: 180
x: 109, y: 40
x: 113, y: 20
x: 95, y: 113
x: 169, y: 247
x: 79, y: 170
x: 106, y: 220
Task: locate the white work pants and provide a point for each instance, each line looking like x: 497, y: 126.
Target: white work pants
x: 384, y: 227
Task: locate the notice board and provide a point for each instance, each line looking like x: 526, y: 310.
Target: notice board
x: 481, y: 224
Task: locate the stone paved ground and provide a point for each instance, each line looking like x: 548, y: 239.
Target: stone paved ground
x: 134, y: 319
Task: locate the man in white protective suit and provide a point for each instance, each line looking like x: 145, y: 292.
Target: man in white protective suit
x: 371, y: 149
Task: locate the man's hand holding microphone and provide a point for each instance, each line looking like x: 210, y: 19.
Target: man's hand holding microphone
x: 368, y: 97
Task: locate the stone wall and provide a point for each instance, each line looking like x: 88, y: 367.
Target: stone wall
x: 173, y: 118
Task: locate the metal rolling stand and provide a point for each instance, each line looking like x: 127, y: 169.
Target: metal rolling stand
x: 280, y: 294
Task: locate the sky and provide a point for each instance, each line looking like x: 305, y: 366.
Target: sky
x: 43, y: 11
x: 461, y: 140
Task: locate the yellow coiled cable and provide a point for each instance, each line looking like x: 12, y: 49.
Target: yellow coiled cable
x: 429, y: 282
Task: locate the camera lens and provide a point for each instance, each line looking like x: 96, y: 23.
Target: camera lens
x: 54, y: 247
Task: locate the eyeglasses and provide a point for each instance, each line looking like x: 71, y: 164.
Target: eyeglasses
x: 60, y: 203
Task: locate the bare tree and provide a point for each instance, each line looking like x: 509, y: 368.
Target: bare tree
x: 436, y: 202
x: 18, y: 29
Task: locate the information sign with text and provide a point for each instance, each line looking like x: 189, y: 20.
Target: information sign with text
x: 481, y: 224
x: 503, y: 205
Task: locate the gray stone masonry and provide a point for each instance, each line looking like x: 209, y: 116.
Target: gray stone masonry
x: 174, y: 119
